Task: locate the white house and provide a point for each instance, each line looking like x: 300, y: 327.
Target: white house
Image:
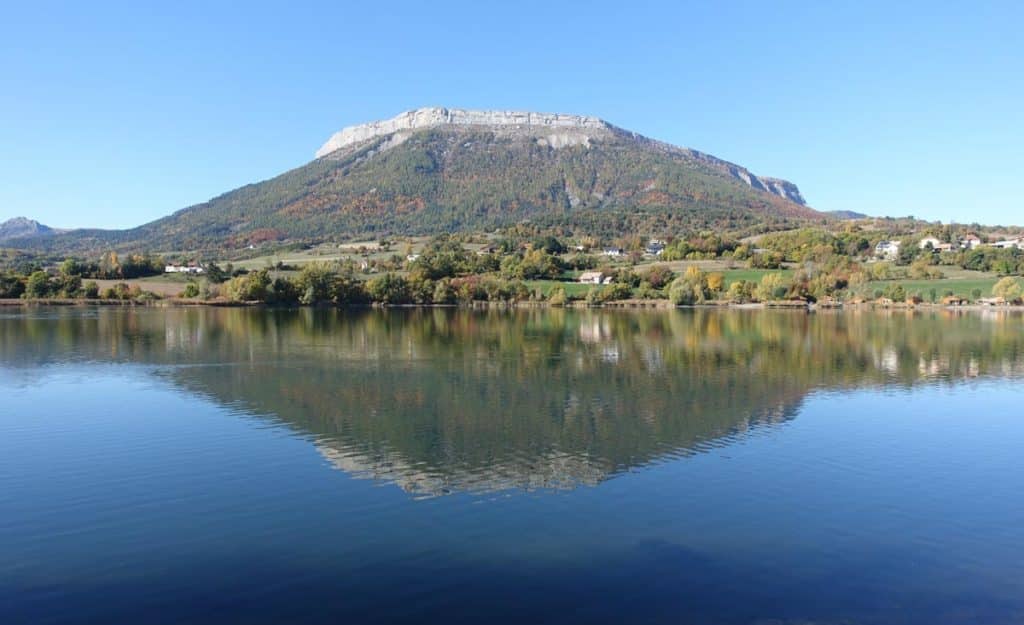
x: 888, y: 249
x: 590, y: 277
x: 191, y: 269
x: 932, y: 241
x: 970, y: 242
x: 613, y: 251
x: 1009, y: 243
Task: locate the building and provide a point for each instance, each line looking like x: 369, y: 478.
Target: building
x: 654, y: 247
x: 190, y: 269
x: 1010, y: 243
x: 932, y: 241
x: 887, y: 249
x: 970, y: 242
x: 613, y: 252
x: 590, y: 277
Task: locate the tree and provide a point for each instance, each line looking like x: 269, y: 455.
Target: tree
x: 772, y: 286
x: 659, y: 276
x: 716, y: 282
x: 443, y: 292
x: 38, y: 285
x: 251, y: 287
x: 110, y: 265
x: 315, y: 283
x: 215, y: 274
x: 741, y: 291
x: 71, y: 267
x: 11, y: 286
x: 389, y: 289
x: 557, y: 297
x: 1007, y: 288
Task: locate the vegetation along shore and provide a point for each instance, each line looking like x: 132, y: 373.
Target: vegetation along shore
x: 858, y: 264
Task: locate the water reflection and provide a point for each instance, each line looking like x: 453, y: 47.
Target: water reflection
x: 443, y: 400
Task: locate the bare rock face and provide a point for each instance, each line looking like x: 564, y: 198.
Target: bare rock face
x: 554, y: 130
x: 783, y: 188
x: 419, y: 119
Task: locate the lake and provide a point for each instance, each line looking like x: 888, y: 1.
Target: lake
x: 205, y: 465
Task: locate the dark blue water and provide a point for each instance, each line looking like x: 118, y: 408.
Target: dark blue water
x: 240, y: 466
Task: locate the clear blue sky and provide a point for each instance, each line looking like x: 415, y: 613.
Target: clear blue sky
x: 114, y: 114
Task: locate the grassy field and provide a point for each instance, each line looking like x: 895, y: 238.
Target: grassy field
x: 962, y: 287
x: 164, y: 287
x: 962, y: 282
x: 753, y: 275
x: 571, y: 288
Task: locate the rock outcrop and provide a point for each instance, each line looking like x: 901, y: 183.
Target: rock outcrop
x: 555, y: 130
x: 433, y: 117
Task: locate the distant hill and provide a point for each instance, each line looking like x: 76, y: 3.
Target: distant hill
x: 846, y: 215
x: 21, y: 227
x: 441, y: 170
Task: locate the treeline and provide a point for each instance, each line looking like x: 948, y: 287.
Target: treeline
x: 42, y: 285
x: 112, y: 266
x: 816, y: 244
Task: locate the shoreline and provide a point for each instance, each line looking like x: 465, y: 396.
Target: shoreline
x: 655, y: 304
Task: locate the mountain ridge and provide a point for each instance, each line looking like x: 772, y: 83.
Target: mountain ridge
x: 437, y: 170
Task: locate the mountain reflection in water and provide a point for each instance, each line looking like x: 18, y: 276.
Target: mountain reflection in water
x: 441, y: 400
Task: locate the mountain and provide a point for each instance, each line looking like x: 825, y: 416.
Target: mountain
x: 21, y: 227
x: 846, y: 214
x: 440, y: 170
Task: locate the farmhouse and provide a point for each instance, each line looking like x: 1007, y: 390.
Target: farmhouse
x: 887, y: 249
x: 970, y: 242
x: 190, y: 269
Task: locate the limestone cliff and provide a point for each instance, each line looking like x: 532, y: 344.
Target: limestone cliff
x: 555, y: 130
x: 433, y: 117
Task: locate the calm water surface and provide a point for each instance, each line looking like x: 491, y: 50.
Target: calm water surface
x: 251, y: 466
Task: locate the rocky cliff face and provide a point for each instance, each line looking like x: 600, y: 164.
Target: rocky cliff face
x: 19, y: 227
x: 553, y: 130
x: 420, y: 119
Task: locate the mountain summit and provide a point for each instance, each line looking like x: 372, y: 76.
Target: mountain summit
x: 420, y: 119
x: 554, y: 130
x: 436, y: 170
x: 20, y: 227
